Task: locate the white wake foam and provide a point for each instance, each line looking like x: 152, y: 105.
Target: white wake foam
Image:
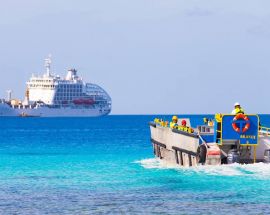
x: 154, y: 163
x: 258, y: 170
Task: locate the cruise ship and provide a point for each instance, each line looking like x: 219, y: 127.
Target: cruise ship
x: 50, y: 95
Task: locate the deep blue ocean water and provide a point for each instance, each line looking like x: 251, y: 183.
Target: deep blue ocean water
x: 106, y: 166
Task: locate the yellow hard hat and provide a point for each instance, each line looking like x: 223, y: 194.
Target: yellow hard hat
x: 174, y: 118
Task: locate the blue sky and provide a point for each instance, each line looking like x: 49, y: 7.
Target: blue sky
x: 152, y: 56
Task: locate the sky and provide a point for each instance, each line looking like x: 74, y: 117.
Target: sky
x: 151, y: 56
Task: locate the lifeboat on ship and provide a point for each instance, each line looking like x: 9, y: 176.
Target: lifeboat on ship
x: 88, y: 101
x: 78, y: 101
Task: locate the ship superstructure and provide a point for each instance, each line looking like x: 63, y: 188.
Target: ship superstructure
x: 51, y: 95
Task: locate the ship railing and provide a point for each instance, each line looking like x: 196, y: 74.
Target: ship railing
x: 264, y: 130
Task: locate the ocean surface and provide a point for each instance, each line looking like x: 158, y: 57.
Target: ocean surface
x: 106, y: 166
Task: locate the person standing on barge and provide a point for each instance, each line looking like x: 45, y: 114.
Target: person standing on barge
x: 174, y: 122
x: 238, y: 109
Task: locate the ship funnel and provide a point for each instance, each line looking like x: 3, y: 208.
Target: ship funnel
x: 72, y: 75
x: 9, y: 92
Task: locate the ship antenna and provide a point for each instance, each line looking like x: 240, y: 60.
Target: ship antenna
x: 48, y: 62
x: 9, y: 95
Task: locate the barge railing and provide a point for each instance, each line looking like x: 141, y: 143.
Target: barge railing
x: 264, y: 130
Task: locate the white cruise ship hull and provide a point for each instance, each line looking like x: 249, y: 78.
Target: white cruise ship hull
x: 6, y: 110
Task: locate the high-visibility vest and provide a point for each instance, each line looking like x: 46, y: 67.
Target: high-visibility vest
x: 173, y: 124
x: 239, y: 110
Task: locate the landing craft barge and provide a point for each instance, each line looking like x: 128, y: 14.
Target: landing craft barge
x: 52, y: 96
x: 234, y: 139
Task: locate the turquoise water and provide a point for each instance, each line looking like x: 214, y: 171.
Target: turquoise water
x: 106, y: 166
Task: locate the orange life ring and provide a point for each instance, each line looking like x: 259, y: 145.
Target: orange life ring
x: 244, y: 117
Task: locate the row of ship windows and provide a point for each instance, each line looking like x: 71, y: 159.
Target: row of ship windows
x: 42, y: 81
x: 64, y: 87
x: 69, y: 90
x: 65, y: 97
x: 68, y: 98
x: 51, y: 81
x: 68, y: 93
x: 74, y: 86
x: 71, y: 96
x: 42, y: 85
x: 93, y: 91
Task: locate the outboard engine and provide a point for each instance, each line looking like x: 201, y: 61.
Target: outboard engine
x: 266, y: 158
x: 233, y: 156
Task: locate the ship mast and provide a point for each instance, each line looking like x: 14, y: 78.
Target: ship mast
x: 48, y: 62
x: 9, y: 95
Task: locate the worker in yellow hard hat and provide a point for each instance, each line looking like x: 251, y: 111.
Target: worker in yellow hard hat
x: 237, y: 109
x: 174, y: 122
